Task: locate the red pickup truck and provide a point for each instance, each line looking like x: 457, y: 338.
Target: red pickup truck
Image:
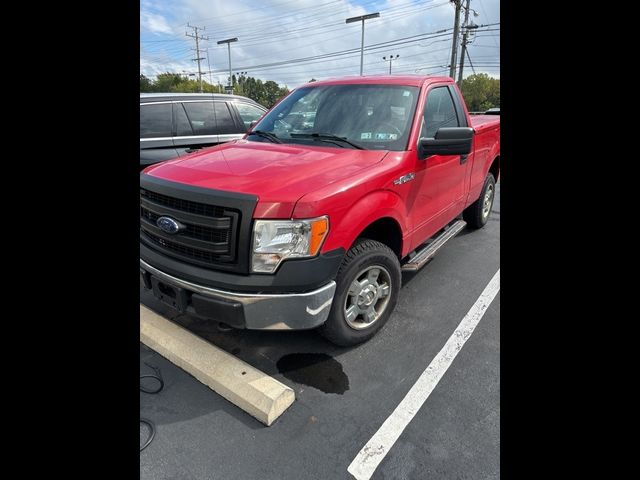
x: 309, y: 220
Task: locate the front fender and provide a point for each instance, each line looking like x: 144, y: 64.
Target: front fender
x: 348, y: 219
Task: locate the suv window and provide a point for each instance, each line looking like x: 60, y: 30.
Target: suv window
x: 438, y: 112
x: 248, y: 113
x: 225, y: 121
x: 183, y: 127
x: 155, y: 120
x: 201, y: 117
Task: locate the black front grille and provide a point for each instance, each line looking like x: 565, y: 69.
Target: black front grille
x: 194, y: 231
x: 184, y: 205
x: 209, y: 235
x: 182, y: 250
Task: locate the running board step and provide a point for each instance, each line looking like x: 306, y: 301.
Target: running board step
x: 428, y: 252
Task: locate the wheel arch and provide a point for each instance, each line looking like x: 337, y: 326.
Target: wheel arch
x: 385, y: 230
x: 494, y: 169
x: 380, y: 216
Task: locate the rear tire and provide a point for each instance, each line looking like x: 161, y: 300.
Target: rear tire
x: 477, y: 214
x: 367, y: 288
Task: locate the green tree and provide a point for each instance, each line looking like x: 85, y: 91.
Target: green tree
x: 270, y: 93
x: 167, y: 82
x: 267, y: 93
x: 481, y: 92
x: 146, y: 85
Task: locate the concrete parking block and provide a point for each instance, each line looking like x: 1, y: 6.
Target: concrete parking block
x: 253, y: 391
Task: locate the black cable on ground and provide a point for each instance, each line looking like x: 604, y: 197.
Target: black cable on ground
x: 146, y: 421
x: 152, y: 432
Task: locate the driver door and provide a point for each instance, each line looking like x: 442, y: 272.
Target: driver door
x: 439, y: 178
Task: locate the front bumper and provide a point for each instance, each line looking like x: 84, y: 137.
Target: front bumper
x: 255, y: 311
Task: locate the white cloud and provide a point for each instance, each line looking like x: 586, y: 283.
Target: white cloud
x: 155, y: 23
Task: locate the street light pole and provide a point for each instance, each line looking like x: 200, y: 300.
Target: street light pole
x: 390, y: 59
x: 228, y: 42
x: 357, y: 19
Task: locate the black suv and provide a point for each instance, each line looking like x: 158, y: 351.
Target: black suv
x: 174, y: 124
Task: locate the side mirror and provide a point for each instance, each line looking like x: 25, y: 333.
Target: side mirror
x: 447, y: 141
x: 251, y: 125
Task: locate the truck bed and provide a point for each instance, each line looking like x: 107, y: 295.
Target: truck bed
x: 484, y: 122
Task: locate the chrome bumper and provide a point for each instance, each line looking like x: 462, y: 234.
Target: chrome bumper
x: 286, y: 311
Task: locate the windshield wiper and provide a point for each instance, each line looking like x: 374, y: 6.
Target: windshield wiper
x: 326, y: 136
x: 270, y: 136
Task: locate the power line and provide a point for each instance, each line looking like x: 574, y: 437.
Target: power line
x: 323, y: 61
x: 346, y: 55
x: 472, y: 69
x: 388, y: 15
x: 376, y: 46
x: 277, y: 25
x: 315, y: 31
x: 259, y: 29
x: 485, y: 13
x: 253, y: 10
x: 374, y: 63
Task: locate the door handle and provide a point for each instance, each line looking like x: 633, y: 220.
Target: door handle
x: 463, y: 159
x: 191, y: 150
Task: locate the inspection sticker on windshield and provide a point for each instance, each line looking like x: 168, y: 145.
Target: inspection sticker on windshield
x: 386, y: 136
x: 365, y: 135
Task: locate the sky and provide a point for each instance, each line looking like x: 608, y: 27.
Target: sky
x: 292, y: 33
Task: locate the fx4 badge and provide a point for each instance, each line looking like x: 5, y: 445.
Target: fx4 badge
x: 404, y: 178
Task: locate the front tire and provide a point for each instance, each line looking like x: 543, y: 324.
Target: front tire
x: 477, y: 214
x: 367, y: 288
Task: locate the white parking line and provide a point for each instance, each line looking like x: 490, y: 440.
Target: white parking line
x: 376, y: 449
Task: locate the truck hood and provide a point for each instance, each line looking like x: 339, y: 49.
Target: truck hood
x: 279, y: 174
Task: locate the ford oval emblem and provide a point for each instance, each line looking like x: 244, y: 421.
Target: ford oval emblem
x: 168, y: 224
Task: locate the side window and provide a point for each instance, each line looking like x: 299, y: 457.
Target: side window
x: 201, y: 117
x: 225, y: 121
x: 183, y: 127
x: 438, y: 112
x: 248, y: 113
x: 155, y: 120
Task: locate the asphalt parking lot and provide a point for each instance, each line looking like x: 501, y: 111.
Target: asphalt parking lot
x: 343, y: 395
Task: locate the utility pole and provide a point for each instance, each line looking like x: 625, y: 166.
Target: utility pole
x: 454, y: 46
x: 390, y: 59
x: 465, y: 40
x: 228, y: 41
x: 357, y: 19
x: 198, y: 57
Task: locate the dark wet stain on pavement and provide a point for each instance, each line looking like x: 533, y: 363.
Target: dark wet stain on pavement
x: 317, y: 370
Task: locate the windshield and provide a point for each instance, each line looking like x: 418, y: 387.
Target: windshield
x: 373, y: 117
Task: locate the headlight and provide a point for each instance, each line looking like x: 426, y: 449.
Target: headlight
x: 277, y: 240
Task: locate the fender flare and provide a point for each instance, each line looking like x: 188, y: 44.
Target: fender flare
x: 374, y: 206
